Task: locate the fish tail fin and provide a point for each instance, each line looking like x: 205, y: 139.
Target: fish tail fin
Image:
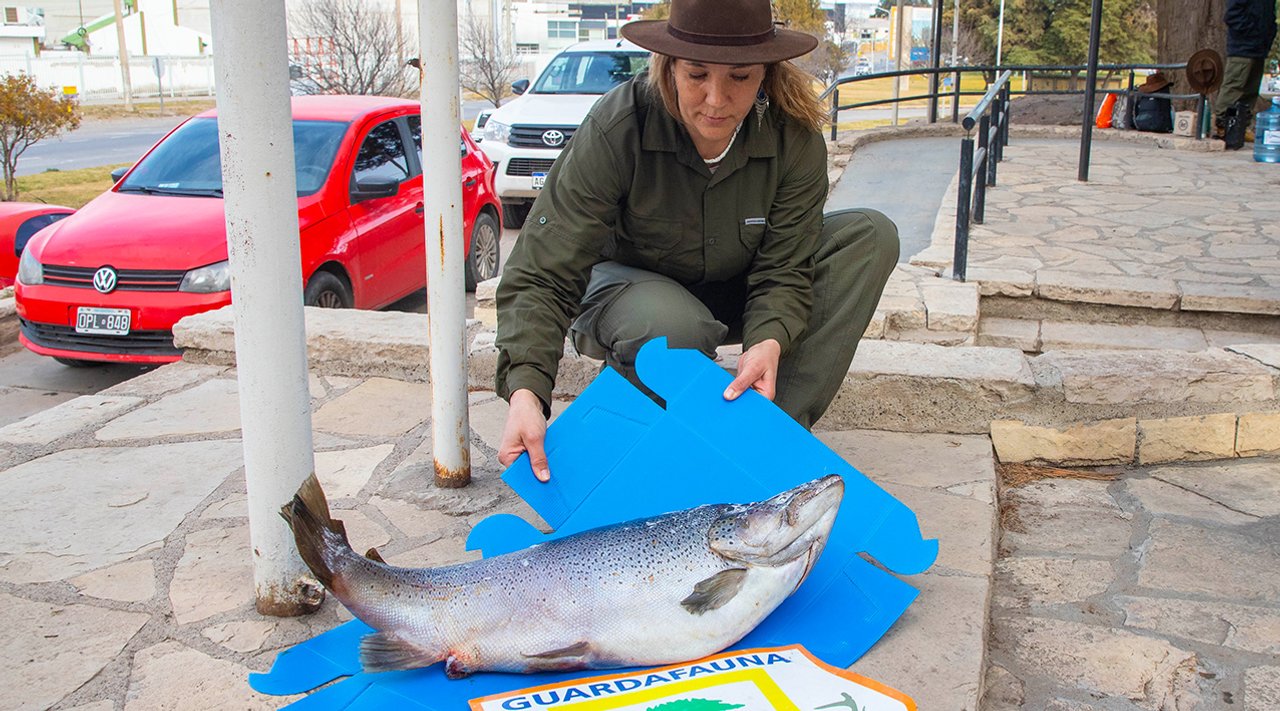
x: 321, y: 540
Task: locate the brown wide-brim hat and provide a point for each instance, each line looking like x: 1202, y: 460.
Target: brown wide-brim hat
x: 720, y: 32
x: 1205, y: 71
x: 1155, y: 82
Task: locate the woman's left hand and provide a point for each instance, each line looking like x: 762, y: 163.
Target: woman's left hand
x: 757, y: 369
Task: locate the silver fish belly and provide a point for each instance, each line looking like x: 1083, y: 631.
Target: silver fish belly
x: 659, y: 590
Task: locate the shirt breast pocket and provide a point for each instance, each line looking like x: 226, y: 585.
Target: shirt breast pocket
x: 752, y: 234
x: 651, y: 235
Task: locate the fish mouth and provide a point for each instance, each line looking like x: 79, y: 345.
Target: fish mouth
x: 784, y: 528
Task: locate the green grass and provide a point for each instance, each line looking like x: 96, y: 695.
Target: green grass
x: 72, y: 188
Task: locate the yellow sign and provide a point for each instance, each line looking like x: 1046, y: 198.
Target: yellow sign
x: 775, y: 679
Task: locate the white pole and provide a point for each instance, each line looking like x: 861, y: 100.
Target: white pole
x: 1000, y: 35
x: 897, y: 62
x: 442, y: 199
x: 255, y: 134
x: 124, y: 57
x: 955, y: 34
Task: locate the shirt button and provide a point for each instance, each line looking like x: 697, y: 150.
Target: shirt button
x: 542, y: 220
x: 711, y: 241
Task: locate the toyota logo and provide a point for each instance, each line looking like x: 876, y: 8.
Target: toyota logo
x: 553, y: 138
x: 104, y: 280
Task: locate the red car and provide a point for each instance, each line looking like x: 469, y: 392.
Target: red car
x: 109, y: 282
x: 18, y: 222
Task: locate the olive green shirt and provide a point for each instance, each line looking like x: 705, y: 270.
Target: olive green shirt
x: 631, y: 188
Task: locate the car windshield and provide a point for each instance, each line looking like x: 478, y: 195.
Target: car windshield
x: 589, y: 72
x: 188, y: 163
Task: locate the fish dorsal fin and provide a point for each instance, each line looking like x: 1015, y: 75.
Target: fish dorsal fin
x: 374, y: 555
x: 574, y: 650
x: 715, y: 591
x: 384, y: 651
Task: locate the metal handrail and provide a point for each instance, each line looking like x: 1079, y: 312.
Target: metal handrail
x: 832, y: 91
x: 991, y: 115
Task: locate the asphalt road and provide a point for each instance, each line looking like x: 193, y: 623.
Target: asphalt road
x: 97, y: 143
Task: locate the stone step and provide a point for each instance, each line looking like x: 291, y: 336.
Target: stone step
x: 892, y: 385
x: 1043, y: 335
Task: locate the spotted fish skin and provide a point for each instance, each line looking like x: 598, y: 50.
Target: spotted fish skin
x: 651, y: 591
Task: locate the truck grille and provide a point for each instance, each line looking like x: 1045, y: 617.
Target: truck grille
x: 531, y: 136
x: 529, y: 166
x: 126, y: 279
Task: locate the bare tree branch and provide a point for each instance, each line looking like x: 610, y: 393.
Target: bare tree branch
x: 487, y: 69
x: 350, y: 47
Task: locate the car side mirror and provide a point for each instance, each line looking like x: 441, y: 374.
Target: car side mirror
x: 520, y: 86
x: 118, y: 173
x: 371, y: 188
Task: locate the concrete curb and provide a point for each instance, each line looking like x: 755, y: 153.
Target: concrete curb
x: 896, y: 385
x: 8, y: 322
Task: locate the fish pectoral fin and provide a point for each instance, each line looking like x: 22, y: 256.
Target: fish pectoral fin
x: 385, y: 651
x: 579, y: 649
x: 716, y: 591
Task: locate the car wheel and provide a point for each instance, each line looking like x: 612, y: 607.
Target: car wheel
x: 514, y: 214
x: 327, y: 291
x: 482, y: 262
x: 77, y: 363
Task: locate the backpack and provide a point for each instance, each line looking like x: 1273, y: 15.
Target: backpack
x: 1152, y: 113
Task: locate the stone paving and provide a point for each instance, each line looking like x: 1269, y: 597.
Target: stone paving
x: 1152, y: 228
x: 1159, y: 590
x: 124, y: 546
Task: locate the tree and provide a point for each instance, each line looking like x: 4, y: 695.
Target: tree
x: 350, y: 47
x: 1057, y: 31
x: 487, y: 69
x: 1184, y: 26
x: 807, y: 16
x: 28, y: 115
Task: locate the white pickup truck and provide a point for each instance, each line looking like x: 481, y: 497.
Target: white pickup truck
x: 525, y: 136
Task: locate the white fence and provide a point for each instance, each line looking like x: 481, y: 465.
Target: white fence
x: 97, y: 79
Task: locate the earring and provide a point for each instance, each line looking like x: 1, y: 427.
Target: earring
x: 762, y: 105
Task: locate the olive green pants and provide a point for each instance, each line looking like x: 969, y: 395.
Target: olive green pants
x: 625, y: 307
x: 1241, y: 81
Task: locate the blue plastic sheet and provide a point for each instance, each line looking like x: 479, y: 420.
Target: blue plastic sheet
x: 615, y: 455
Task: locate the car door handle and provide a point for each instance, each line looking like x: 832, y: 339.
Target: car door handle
x: 470, y: 182
x: 418, y: 209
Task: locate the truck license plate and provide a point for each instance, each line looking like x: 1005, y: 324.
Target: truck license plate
x: 105, y: 322
x: 539, y: 179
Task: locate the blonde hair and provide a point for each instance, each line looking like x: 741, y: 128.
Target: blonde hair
x: 789, y: 87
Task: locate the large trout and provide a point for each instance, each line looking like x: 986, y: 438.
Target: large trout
x: 651, y: 591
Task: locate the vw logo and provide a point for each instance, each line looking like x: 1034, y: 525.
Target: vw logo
x: 104, y: 280
x: 553, y: 138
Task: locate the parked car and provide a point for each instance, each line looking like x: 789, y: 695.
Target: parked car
x: 524, y: 136
x: 477, y: 130
x: 109, y: 282
x: 862, y: 67
x: 18, y: 222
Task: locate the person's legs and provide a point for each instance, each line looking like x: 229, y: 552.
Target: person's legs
x: 1235, y: 78
x: 625, y: 307
x: 858, y: 252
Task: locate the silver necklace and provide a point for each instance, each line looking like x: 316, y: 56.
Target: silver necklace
x: 725, y: 152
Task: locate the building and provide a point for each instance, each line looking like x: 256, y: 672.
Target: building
x: 23, y: 30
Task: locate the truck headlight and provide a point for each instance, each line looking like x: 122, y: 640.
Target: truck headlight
x: 30, y: 271
x: 496, y: 131
x: 207, y: 280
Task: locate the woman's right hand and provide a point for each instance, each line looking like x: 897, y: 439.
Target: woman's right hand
x: 525, y: 431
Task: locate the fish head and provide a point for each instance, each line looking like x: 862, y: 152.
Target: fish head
x: 781, y: 529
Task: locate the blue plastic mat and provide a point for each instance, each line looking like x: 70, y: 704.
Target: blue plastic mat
x: 615, y: 455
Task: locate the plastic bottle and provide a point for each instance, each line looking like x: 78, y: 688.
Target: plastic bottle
x: 1266, y: 134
